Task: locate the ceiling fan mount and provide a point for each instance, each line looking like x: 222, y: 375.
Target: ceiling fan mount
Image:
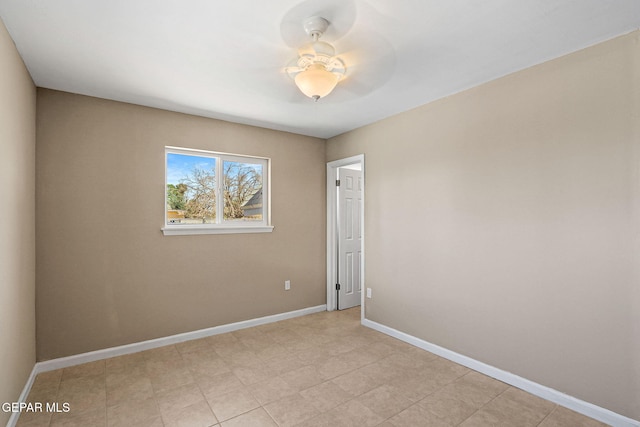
x: 315, y: 26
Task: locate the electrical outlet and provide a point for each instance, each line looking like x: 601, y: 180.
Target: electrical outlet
x: 287, y: 285
x: 368, y: 292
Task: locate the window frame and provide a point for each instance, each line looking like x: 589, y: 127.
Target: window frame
x: 221, y: 226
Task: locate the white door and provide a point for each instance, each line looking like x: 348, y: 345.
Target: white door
x: 349, y: 237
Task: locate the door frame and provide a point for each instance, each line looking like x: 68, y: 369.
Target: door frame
x: 332, y: 224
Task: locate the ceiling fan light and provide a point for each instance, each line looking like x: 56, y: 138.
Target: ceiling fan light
x: 316, y: 82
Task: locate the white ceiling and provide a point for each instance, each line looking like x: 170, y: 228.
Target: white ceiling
x: 226, y: 59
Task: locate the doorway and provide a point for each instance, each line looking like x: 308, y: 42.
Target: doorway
x: 345, y: 233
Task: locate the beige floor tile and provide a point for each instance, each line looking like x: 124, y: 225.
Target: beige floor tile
x: 258, y: 342
x: 227, y: 351
x: 302, y: 378
x: 289, y: 362
x: 248, y: 333
x: 214, y: 385
x: 380, y: 349
x: 213, y: 366
x: 357, y: 382
x: 162, y: 366
x: 84, y: 370
x: 195, y: 415
x: 354, y: 413
x: 144, y: 412
x: 271, y: 390
x: 359, y: 357
x: 171, y: 379
x: 342, y: 345
x: 302, y: 343
x: 151, y: 422
x: 394, y: 342
x: 415, y: 416
x: 45, y: 387
x: 271, y: 352
x: 384, y: 372
x: 487, y: 383
x: 116, y: 375
x: 174, y: 400
x: 161, y: 354
x: 269, y: 327
x: 420, y: 355
x: 221, y: 340
x: 325, y: 419
x: 338, y: 331
x: 204, y: 355
x: 505, y: 412
x: 93, y: 418
x: 385, y: 401
x: 246, y: 358
x: 416, y: 387
x: 291, y: 410
x: 483, y: 418
x: 334, y: 367
x: 361, y: 338
x: 130, y: 388
x: 530, y: 401
x: 325, y: 396
x: 563, y: 417
x: 319, y: 338
x: 473, y: 391
x: 83, y: 393
x: 404, y: 361
x: 313, y: 355
x: 447, y: 407
x: 124, y: 363
x: 194, y: 346
x: 444, y: 371
x: 232, y: 404
x: 254, y: 374
x: 34, y: 419
x: 256, y: 418
x: 283, y: 335
x: 48, y: 379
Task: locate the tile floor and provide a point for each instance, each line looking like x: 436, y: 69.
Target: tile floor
x: 324, y: 369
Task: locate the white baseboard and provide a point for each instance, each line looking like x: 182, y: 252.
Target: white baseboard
x: 106, y: 353
x: 92, y: 356
x: 577, y: 405
x: 13, y: 419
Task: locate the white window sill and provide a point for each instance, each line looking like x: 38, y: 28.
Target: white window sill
x: 194, y: 230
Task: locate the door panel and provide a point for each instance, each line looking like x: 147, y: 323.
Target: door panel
x: 350, y: 237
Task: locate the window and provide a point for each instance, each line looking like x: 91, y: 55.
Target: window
x: 211, y: 193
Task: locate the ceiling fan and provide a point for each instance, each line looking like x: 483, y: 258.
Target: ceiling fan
x: 364, y: 59
x: 318, y: 69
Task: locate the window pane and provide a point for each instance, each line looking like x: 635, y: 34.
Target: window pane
x: 191, y: 194
x: 242, y: 191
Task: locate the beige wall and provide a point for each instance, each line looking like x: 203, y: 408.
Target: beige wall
x: 17, y: 223
x: 106, y: 274
x: 503, y: 223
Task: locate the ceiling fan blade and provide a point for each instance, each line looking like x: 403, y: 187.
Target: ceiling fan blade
x: 370, y: 60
